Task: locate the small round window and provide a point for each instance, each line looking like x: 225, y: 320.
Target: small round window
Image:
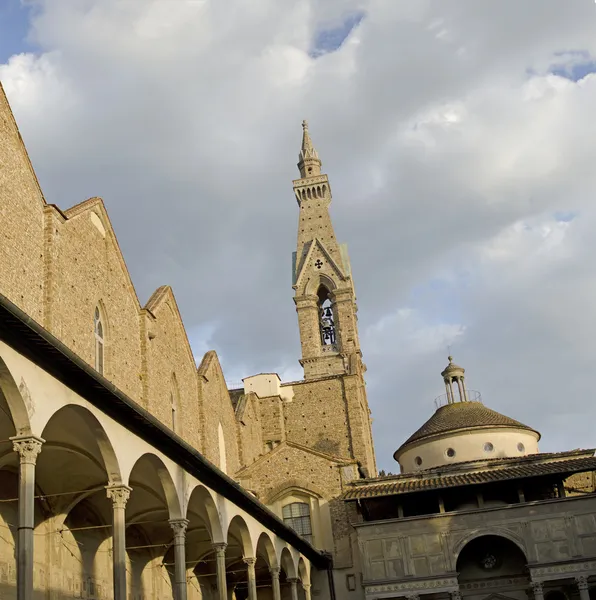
x: 418, y: 460
x: 521, y: 447
x: 488, y: 447
x: 450, y: 452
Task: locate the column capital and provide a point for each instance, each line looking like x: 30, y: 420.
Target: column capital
x: 455, y: 595
x: 293, y: 580
x: 582, y: 582
x: 536, y: 587
x: 119, y: 494
x: 179, y: 527
x: 220, y: 548
x: 274, y: 572
x: 249, y: 561
x: 306, y: 586
x: 28, y: 447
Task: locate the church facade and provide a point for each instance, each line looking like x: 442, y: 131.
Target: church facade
x: 128, y: 472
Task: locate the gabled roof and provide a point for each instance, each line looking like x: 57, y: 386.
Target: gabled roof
x: 301, y: 268
x: 474, y: 473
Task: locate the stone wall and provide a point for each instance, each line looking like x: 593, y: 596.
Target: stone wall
x: 21, y: 214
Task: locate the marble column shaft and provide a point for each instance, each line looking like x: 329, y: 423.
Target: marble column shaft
x: 179, y: 528
x: 220, y: 557
x: 28, y: 447
x: 252, y: 579
x: 294, y: 587
x: 275, y: 583
x: 119, y: 495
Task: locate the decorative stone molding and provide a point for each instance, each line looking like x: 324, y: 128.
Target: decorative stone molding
x: 274, y: 572
x: 455, y: 595
x: 494, y: 583
x: 556, y: 571
x: 28, y: 448
x: 179, y: 527
x: 119, y: 495
x: 414, y: 587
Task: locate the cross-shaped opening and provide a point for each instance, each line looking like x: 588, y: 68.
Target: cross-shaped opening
x: 319, y: 263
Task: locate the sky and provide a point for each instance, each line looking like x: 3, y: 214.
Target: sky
x: 460, y: 142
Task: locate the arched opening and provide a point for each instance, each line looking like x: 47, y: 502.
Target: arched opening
x: 288, y: 571
x: 74, y: 516
x: 204, y: 529
x: 304, y: 576
x: 492, y: 557
x: 149, y: 535
x: 326, y: 318
x: 99, y: 334
x: 239, y: 547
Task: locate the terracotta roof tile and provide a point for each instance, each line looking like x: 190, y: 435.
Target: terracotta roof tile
x: 462, y: 415
x: 423, y: 481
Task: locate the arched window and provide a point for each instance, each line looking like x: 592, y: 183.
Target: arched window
x: 221, y: 442
x: 326, y: 318
x: 98, y: 328
x: 297, y: 516
x: 174, y: 402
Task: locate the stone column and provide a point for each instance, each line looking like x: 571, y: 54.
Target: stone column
x: 252, y: 578
x: 119, y: 495
x: 220, y: 557
x: 306, y: 588
x: 537, y: 590
x: 582, y: 586
x: 275, y: 582
x: 179, y: 528
x: 294, y: 581
x: 28, y: 448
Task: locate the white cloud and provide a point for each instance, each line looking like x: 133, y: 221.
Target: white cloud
x: 450, y: 144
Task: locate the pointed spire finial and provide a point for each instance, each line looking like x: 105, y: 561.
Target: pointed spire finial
x: 308, y: 159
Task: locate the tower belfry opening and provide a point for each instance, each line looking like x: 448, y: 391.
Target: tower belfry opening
x: 327, y: 319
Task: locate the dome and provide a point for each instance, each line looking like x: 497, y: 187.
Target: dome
x: 463, y: 431
x: 462, y: 415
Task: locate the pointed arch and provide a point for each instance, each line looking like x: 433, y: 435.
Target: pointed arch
x: 174, y: 399
x: 99, y: 334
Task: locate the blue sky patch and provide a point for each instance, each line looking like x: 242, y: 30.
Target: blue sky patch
x: 14, y: 25
x: 565, y: 217
x: 573, y: 64
x: 330, y: 39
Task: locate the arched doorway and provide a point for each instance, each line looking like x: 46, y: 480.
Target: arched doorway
x: 496, y: 559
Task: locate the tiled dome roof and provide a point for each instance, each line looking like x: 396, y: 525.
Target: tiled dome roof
x: 463, y: 415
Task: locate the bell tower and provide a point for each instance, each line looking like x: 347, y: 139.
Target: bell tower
x: 322, y: 281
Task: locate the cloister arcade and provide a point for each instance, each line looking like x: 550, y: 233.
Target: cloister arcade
x: 97, y: 506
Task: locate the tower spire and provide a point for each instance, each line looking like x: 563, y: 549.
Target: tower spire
x: 322, y: 280
x: 309, y: 163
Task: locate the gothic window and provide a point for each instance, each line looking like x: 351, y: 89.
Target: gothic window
x: 98, y: 328
x: 174, y: 402
x: 326, y: 318
x: 297, y: 516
